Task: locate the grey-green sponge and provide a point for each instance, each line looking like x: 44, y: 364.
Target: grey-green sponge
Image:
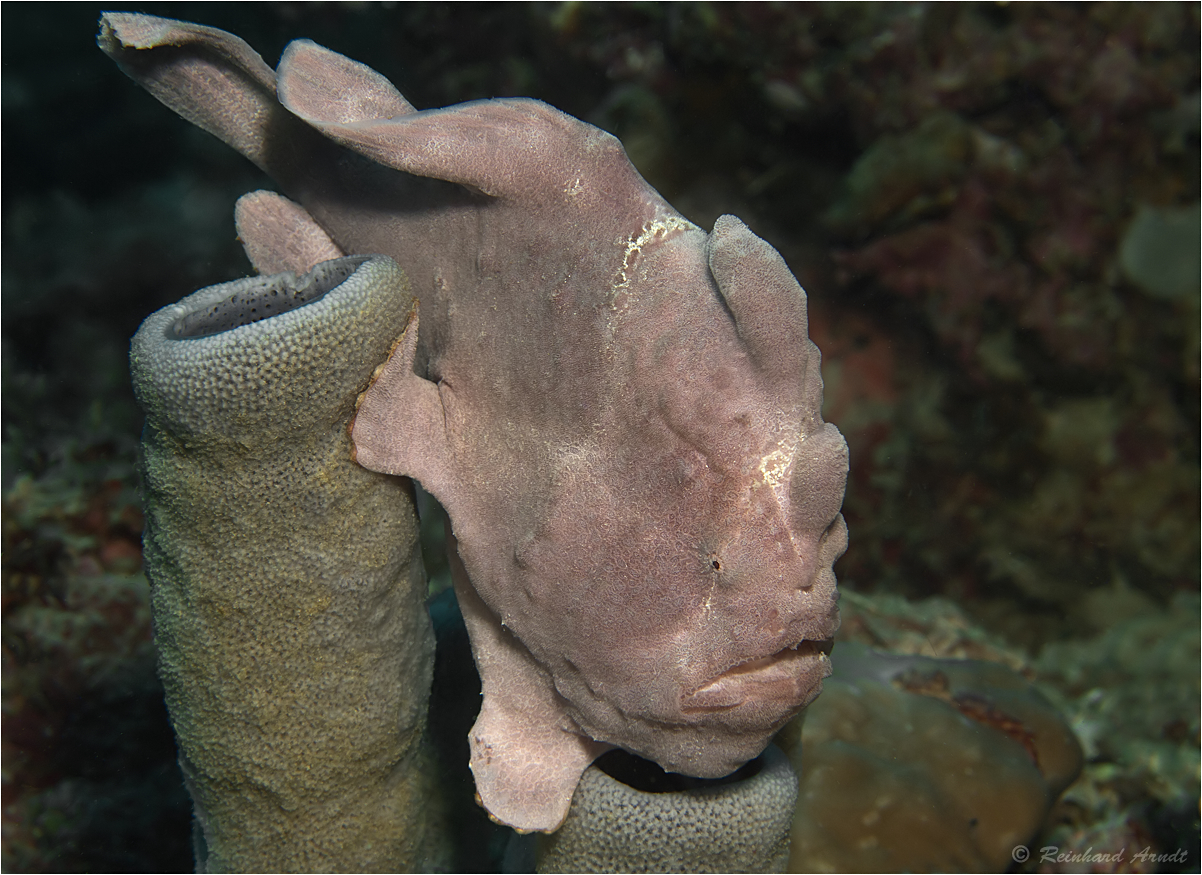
x: 738, y: 827
x: 287, y: 586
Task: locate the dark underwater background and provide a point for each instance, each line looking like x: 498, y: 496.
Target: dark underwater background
x: 993, y: 209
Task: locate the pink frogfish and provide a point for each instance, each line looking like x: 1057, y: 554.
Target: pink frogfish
x: 620, y: 412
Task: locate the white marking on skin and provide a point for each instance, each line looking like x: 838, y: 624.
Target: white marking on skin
x: 656, y: 227
x: 776, y: 472
x: 776, y: 467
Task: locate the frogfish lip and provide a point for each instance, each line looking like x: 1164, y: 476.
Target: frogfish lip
x: 788, y: 678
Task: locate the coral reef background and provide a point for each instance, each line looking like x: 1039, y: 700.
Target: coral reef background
x: 993, y: 208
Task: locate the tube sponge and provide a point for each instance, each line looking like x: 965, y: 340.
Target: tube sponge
x: 742, y: 826
x: 287, y: 586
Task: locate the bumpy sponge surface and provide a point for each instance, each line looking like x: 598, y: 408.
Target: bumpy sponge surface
x: 287, y: 588
x: 742, y: 826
